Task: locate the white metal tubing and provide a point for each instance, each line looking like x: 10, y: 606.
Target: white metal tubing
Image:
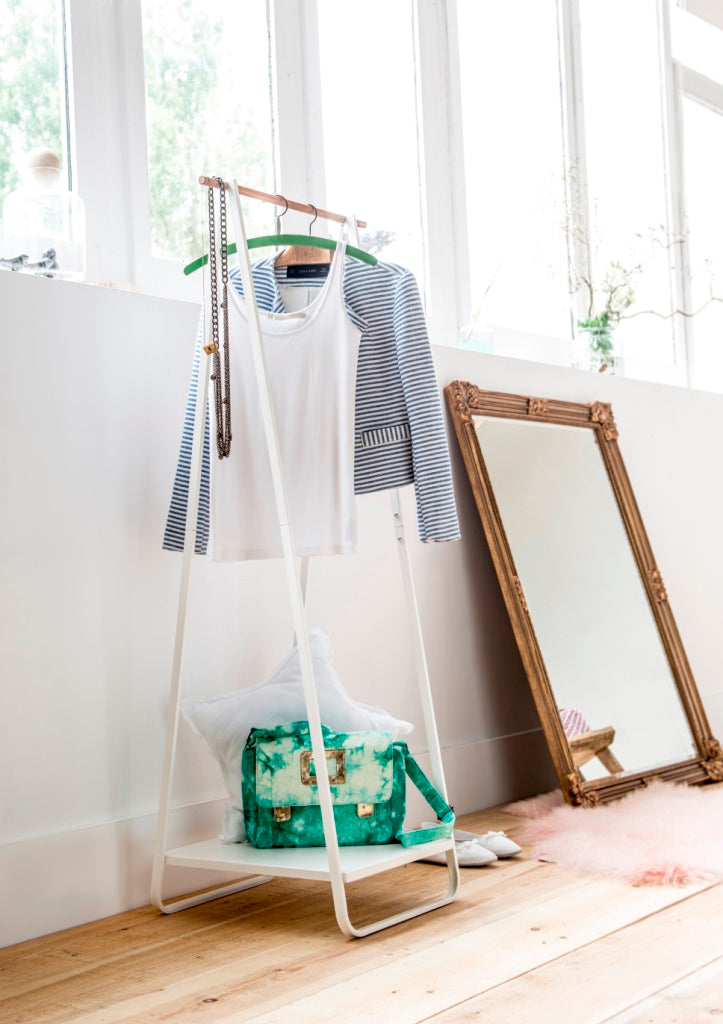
x: 423, y: 908
x: 189, y: 545
x: 290, y: 563
x: 420, y: 657
x: 299, y: 616
x: 171, y: 738
x: 304, y: 576
x: 211, y: 894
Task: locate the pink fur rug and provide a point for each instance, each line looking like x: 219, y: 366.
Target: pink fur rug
x: 665, y: 834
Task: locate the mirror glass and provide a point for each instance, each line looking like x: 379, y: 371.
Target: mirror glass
x: 596, y: 631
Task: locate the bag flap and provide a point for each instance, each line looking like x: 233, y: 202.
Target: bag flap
x: 359, y: 765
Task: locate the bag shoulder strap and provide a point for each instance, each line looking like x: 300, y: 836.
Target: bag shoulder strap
x: 439, y: 805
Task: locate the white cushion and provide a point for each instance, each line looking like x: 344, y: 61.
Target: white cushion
x: 226, y: 720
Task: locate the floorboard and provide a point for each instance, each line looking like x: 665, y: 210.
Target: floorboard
x: 521, y: 935
x: 440, y: 975
x: 611, y: 973
x: 692, y: 1000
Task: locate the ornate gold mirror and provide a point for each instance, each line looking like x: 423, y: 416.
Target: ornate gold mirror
x: 608, y: 672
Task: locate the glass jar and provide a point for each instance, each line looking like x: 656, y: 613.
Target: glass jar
x: 596, y: 347
x: 44, y: 222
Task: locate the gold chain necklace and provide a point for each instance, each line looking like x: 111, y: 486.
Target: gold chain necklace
x: 221, y: 375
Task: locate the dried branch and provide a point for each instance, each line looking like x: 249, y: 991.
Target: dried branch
x: 486, y: 292
x: 679, y: 312
x: 610, y: 291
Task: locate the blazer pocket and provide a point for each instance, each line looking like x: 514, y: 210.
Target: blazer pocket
x: 385, y: 435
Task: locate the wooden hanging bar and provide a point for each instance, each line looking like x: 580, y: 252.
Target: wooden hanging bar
x: 278, y: 200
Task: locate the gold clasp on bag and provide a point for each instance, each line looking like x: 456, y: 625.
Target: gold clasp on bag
x: 364, y: 810
x: 334, y: 780
x: 282, y: 813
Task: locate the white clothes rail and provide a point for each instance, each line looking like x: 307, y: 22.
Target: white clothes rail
x: 332, y: 863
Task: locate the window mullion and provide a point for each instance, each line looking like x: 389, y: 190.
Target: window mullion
x: 135, y: 142
x: 68, y: 143
x: 152, y: 273
x: 579, y: 240
x: 679, y: 254
x: 98, y: 110
x: 298, y: 116
x: 700, y: 88
x: 442, y: 176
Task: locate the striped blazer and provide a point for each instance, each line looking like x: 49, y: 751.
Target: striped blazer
x: 399, y: 425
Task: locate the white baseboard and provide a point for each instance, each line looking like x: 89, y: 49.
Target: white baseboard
x: 491, y: 772
x: 56, y: 881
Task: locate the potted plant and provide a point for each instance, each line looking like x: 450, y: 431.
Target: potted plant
x: 597, y: 347
x: 603, y: 292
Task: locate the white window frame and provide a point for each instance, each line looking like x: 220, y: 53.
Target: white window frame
x: 98, y: 115
x: 109, y: 145
x: 109, y: 150
x: 574, y: 147
x: 678, y: 255
x: 109, y: 136
x: 697, y: 87
x: 442, y: 176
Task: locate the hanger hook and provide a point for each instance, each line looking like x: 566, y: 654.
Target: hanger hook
x: 280, y: 215
x: 315, y: 217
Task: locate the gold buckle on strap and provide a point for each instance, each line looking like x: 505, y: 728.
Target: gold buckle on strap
x: 338, y: 779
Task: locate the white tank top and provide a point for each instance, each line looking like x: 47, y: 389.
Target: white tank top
x: 311, y: 360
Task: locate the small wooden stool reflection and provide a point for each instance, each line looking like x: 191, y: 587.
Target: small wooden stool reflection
x: 595, y: 743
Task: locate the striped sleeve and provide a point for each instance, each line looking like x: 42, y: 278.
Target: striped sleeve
x: 175, y: 532
x: 434, y: 490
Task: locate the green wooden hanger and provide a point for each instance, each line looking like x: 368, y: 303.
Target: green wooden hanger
x: 266, y: 240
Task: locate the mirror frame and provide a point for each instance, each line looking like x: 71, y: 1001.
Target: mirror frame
x: 466, y: 401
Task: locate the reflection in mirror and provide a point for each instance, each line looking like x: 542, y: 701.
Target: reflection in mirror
x: 593, y: 621
x: 587, y: 603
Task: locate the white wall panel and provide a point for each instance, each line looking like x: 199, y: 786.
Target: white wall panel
x: 91, y: 401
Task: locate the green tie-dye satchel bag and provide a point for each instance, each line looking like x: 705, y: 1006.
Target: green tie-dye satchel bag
x: 367, y: 776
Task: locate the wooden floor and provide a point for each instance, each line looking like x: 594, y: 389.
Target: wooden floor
x: 524, y: 942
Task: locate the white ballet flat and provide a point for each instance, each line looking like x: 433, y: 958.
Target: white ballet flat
x: 498, y: 843
x: 469, y: 855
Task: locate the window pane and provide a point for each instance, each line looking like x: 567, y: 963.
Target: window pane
x: 208, y: 112
x: 703, y: 134
x: 625, y: 167
x: 513, y: 158
x: 32, y: 92
x: 698, y: 43
x: 370, y: 124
